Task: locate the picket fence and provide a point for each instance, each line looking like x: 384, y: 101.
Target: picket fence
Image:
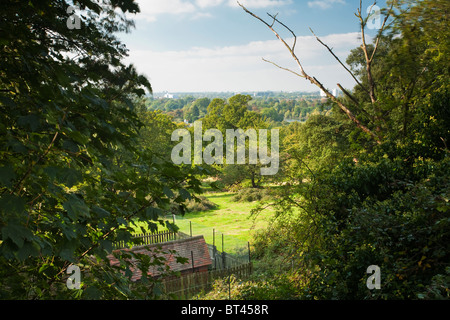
x: 151, y: 238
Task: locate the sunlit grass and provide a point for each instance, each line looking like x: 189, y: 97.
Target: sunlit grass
x: 230, y: 218
x: 233, y: 219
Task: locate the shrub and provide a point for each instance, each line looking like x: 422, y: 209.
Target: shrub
x: 202, y: 204
x: 251, y: 194
x: 257, y: 288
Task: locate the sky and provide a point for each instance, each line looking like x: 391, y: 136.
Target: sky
x: 215, y: 46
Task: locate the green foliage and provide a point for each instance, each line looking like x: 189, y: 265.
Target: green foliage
x: 345, y: 204
x: 281, y: 288
x: 252, y: 194
x: 199, y: 204
x: 382, y: 213
x: 75, y: 172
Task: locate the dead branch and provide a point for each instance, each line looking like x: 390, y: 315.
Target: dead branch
x: 270, y: 26
x: 366, y: 53
x: 381, y: 30
x: 340, y: 62
x: 303, y: 74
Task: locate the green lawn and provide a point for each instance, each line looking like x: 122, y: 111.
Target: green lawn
x: 231, y: 218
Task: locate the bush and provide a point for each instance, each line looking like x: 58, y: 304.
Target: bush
x: 257, y: 288
x: 202, y: 204
x: 252, y: 194
x: 380, y: 212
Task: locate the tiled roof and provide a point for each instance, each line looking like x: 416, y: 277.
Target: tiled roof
x: 186, y: 248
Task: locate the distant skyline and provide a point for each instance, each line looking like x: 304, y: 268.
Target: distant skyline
x: 214, y: 46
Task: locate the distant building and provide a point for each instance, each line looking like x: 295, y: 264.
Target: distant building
x: 170, y: 96
x: 335, y: 92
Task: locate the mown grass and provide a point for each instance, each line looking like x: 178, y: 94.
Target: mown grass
x: 233, y: 219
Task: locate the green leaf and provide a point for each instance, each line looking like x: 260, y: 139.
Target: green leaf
x: 92, y: 293
x: 101, y: 213
x: 76, y: 208
x: 27, y: 250
x: 67, y: 176
x: 184, y: 194
x: 71, y: 146
x: 31, y: 122
x: 12, y: 205
x: 67, y: 251
x: 17, y: 233
x: 152, y: 213
x: 107, y: 245
x: 7, y: 175
x: 77, y: 137
x: 168, y: 192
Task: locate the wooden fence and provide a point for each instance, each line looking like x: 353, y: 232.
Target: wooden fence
x: 188, y: 285
x: 224, y: 260
x: 151, y: 238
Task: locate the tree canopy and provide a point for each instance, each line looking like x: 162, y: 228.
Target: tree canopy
x: 73, y: 177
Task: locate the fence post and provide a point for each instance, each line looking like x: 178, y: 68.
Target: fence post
x: 223, y: 254
x: 214, y: 248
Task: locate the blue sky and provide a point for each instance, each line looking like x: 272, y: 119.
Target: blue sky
x: 213, y: 45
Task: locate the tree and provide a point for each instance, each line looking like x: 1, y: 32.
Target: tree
x: 369, y: 59
x: 73, y: 177
x: 192, y: 113
x: 353, y: 204
x: 202, y: 105
x: 233, y: 114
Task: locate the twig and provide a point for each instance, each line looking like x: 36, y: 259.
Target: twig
x: 381, y: 30
x: 340, y: 62
x: 303, y: 74
x: 283, y: 68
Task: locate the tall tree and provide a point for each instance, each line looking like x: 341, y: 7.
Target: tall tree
x: 390, y: 205
x: 234, y: 114
x: 72, y: 177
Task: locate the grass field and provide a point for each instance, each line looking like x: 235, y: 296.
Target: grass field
x: 231, y: 218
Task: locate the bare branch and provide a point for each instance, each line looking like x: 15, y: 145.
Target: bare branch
x: 287, y: 28
x: 291, y: 49
x: 366, y: 55
x: 303, y: 74
x: 342, y: 64
x: 381, y: 30
x: 286, y: 69
x: 348, y: 94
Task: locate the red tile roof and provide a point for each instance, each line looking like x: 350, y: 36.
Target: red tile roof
x: 170, y: 250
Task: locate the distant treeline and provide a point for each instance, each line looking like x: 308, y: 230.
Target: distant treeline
x: 276, y: 107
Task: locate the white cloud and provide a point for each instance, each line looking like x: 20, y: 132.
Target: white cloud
x: 151, y: 9
x: 257, y: 4
x: 208, y: 3
x: 324, y: 4
x: 240, y: 68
